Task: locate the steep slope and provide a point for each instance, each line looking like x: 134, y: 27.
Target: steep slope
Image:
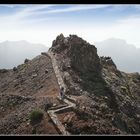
x: 99, y: 99
x: 126, y: 90
x: 31, y: 86
x: 102, y: 107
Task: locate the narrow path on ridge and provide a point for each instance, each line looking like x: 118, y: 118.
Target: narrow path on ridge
x: 53, y: 113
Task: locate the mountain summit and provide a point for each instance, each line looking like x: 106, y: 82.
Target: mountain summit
x: 99, y: 99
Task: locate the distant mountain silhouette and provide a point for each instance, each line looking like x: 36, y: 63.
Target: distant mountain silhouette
x: 126, y: 56
x: 13, y: 53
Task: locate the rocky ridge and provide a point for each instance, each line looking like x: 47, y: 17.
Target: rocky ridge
x: 106, y: 99
x: 108, y: 95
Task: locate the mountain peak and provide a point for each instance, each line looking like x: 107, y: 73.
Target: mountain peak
x: 61, y: 43
x: 82, y: 56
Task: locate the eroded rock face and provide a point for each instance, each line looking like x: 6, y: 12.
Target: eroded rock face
x: 110, y: 96
x: 82, y: 56
x: 107, y: 61
x: 107, y: 100
x: 78, y: 62
x: 125, y: 88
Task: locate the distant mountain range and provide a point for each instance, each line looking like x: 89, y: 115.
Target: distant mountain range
x: 125, y: 56
x: 13, y: 53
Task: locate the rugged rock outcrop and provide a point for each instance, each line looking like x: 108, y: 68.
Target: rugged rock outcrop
x: 79, y: 54
x: 76, y: 60
x: 108, y: 95
x: 107, y: 100
x: 125, y: 88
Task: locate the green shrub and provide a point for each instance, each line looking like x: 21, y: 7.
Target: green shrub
x: 124, y: 89
x: 36, y: 115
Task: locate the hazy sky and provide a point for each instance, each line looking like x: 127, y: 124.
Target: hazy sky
x: 42, y: 23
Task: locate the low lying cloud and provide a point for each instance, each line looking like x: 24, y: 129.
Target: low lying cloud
x: 42, y: 23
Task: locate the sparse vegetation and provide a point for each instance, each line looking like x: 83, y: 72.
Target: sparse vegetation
x: 36, y: 115
x: 107, y: 100
x: 124, y: 89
